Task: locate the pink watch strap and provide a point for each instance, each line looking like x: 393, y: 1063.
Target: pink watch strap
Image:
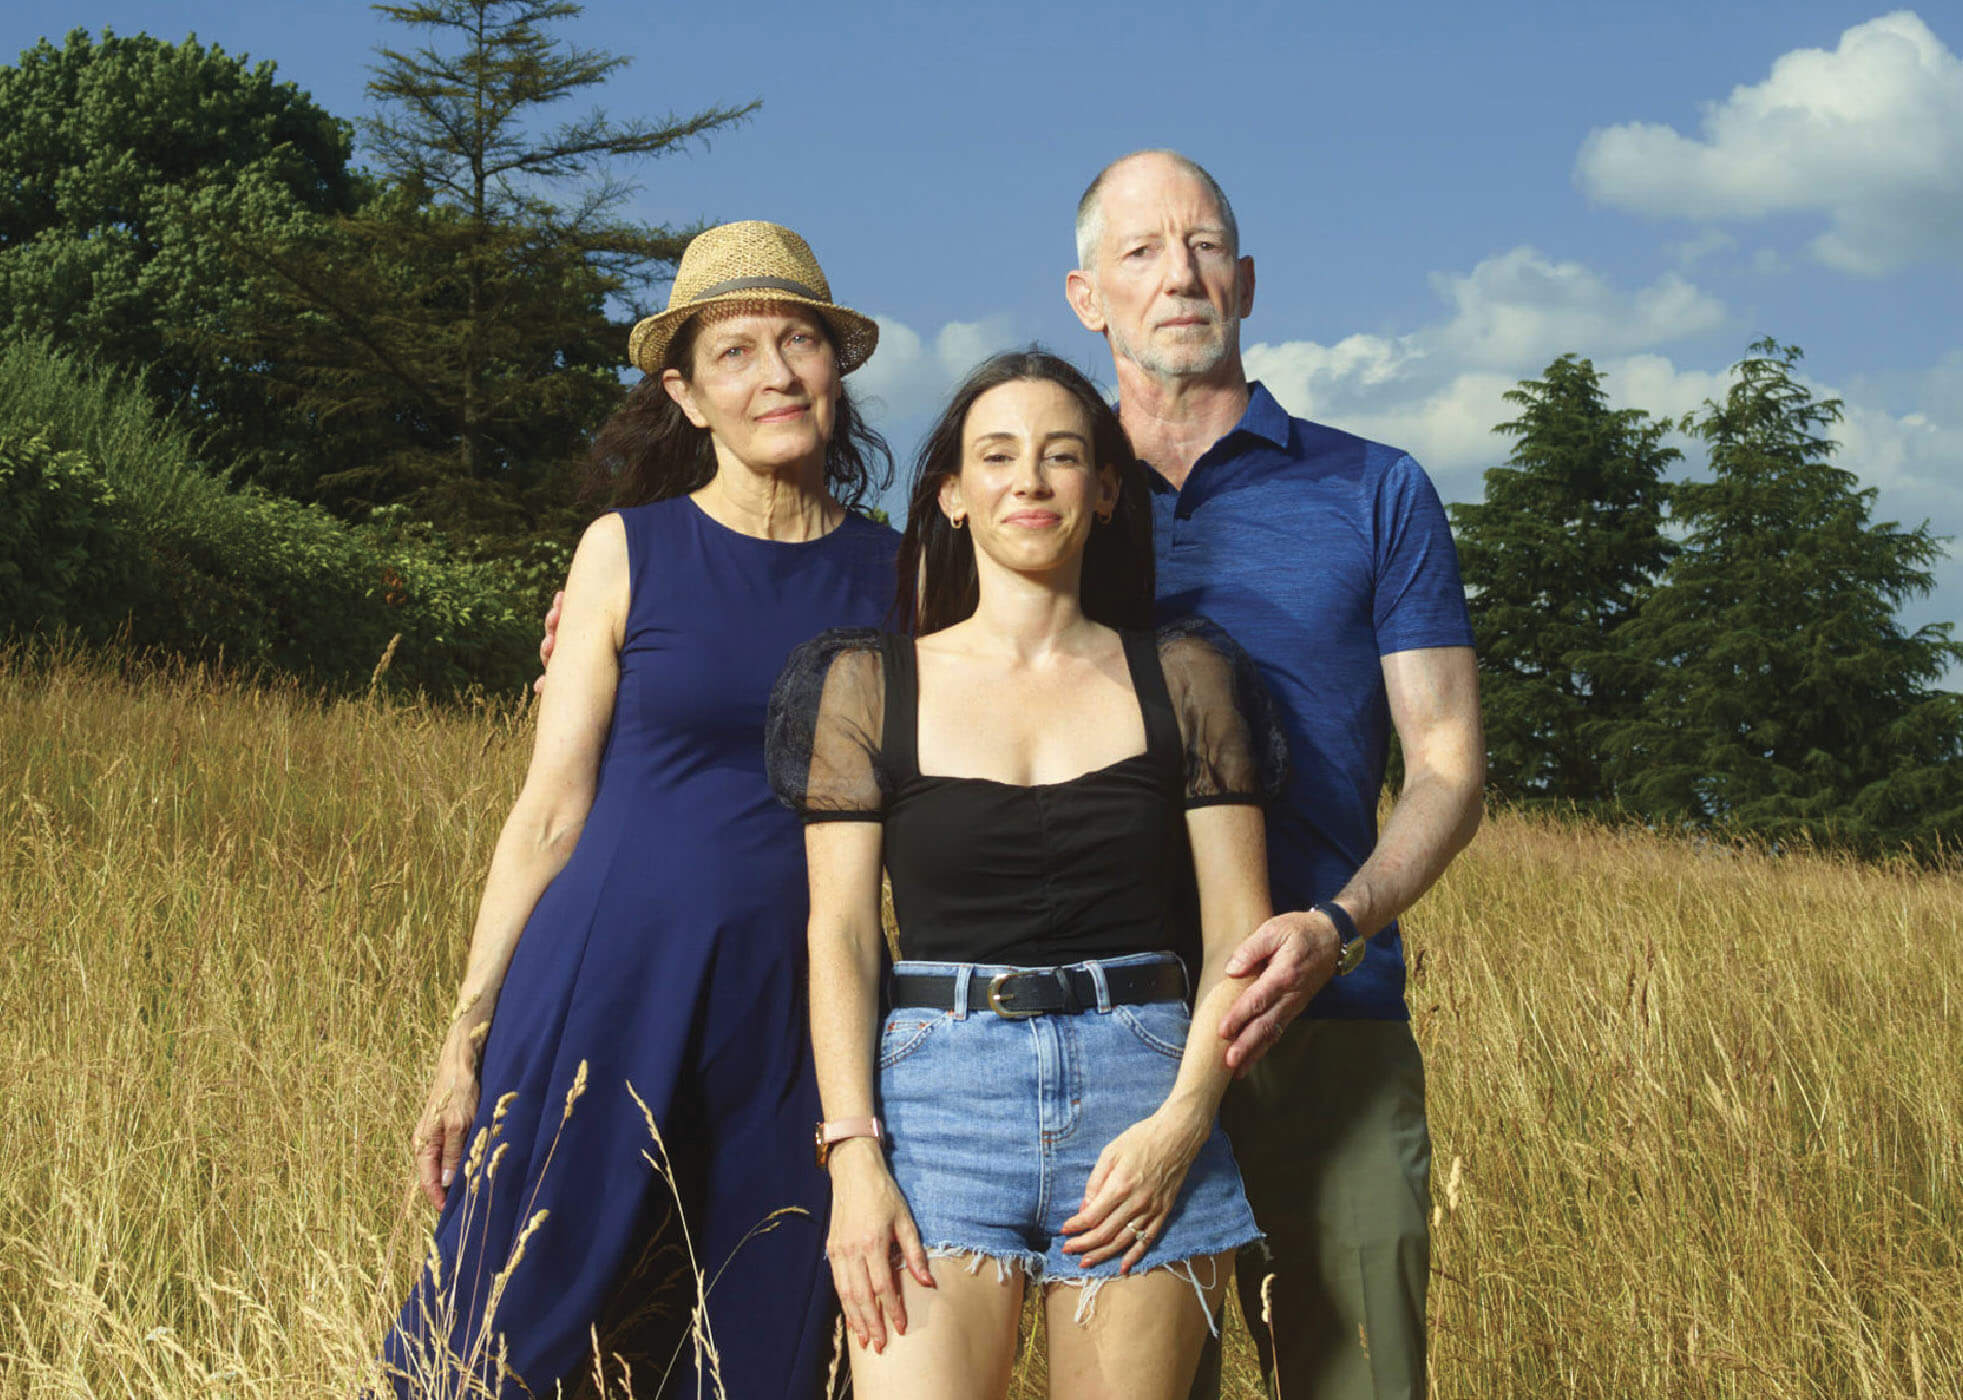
x: 839, y: 1129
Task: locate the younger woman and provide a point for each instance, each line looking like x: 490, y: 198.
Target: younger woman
x: 1030, y: 766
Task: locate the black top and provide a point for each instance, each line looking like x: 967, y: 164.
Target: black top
x: 1038, y: 875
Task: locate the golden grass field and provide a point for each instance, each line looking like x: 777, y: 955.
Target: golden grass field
x: 1697, y: 1113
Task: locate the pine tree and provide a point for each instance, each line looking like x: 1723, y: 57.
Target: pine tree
x: 1557, y: 560
x: 466, y: 327
x: 1785, y: 697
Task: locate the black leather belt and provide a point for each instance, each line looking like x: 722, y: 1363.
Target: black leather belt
x: 1042, y: 991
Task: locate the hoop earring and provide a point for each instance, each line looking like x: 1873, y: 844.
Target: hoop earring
x: 957, y: 521
x: 1103, y: 517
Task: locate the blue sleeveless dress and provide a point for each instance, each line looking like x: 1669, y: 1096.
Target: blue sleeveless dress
x: 669, y: 956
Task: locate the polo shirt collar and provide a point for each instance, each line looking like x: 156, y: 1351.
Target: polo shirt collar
x: 1262, y: 418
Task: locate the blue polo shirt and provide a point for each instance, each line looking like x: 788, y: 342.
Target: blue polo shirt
x: 1320, y: 553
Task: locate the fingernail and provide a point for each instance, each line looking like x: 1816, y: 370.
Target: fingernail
x: 449, y: 1175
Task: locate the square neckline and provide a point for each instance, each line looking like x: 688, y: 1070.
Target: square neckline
x: 1147, y: 684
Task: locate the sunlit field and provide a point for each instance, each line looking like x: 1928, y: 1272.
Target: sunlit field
x: 1697, y: 1113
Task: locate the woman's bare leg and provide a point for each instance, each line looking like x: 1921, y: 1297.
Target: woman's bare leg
x: 960, y: 1342
x: 1143, y: 1337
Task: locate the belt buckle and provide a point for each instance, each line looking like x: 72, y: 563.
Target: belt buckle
x: 995, y: 998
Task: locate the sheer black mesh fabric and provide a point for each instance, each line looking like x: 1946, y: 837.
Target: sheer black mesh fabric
x: 822, y: 742
x: 1234, y: 747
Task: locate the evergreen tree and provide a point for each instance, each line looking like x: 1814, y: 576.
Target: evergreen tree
x: 1785, y: 698
x: 465, y: 326
x: 1557, y: 560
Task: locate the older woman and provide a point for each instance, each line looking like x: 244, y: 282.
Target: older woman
x: 637, y: 960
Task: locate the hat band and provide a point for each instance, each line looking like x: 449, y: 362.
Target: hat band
x: 758, y: 284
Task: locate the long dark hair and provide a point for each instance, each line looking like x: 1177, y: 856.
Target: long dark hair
x: 937, y: 583
x: 649, y: 451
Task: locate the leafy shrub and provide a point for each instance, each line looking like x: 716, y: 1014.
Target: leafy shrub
x: 114, y: 527
x: 61, y: 548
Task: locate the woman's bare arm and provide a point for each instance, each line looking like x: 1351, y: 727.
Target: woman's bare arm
x: 575, y: 713
x: 1230, y: 861
x: 1138, y: 1175
x: 869, y: 1215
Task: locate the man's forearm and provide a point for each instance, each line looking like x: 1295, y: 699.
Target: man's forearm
x: 1435, y: 816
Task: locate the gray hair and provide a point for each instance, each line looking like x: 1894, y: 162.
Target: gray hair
x: 1090, y: 208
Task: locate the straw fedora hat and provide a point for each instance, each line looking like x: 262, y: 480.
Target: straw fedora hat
x: 750, y: 261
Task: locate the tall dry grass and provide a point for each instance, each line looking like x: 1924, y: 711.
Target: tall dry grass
x: 1697, y: 1115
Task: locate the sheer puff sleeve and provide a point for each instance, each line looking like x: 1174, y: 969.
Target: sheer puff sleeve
x: 822, y: 739
x: 1235, y: 750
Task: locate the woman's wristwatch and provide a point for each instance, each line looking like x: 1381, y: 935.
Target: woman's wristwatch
x: 831, y: 1134
x: 1352, y: 944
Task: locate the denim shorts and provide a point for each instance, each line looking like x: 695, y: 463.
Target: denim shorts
x: 993, y: 1125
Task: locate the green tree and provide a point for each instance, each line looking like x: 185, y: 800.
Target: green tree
x: 104, y: 144
x: 466, y: 326
x: 1557, y: 560
x: 1785, y: 698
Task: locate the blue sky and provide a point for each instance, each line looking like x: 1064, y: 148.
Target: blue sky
x: 1439, y: 198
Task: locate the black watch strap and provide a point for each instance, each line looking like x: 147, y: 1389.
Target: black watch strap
x: 1351, y: 944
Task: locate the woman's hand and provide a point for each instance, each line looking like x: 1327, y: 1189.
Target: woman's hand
x: 1133, y: 1187
x: 870, y: 1224
x: 445, y: 1123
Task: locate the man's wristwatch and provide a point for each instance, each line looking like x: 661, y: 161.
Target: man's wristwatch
x: 1349, y: 955
x: 829, y: 1135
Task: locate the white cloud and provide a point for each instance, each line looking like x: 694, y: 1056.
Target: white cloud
x: 908, y: 378
x: 1437, y: 392
x: 1870, y: 135
x: 1521, y: 306
x: 1707, y: 243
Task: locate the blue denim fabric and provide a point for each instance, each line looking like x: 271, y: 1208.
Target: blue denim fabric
x: 994, y: 1124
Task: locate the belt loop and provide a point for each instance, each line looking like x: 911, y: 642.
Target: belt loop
x: 962, y: 975
x: 1096, y: 970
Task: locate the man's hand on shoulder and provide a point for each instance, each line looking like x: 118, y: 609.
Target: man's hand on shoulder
x: 1293, y: 956
x: 550, y: 639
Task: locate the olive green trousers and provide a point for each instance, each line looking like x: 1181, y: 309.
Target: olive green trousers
x: 1329, y: 1130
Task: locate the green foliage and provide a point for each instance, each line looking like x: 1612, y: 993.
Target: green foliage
x: 1783, y: 696
x: 59, y: 542
x: 1557, y: 560
x: 458, y: 325
x: 112, y: 147
x: 121, y: 532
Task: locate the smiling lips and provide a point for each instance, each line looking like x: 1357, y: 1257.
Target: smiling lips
x: 784, y: 415
x: 1033, y: 519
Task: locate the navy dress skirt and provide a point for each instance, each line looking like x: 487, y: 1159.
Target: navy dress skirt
x: 668, y: 956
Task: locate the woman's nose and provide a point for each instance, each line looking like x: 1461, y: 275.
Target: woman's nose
x: 776, y: 367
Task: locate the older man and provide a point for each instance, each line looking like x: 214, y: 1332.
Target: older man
x: 1328, y: 557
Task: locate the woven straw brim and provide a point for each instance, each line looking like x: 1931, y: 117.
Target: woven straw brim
x: 854, y: 337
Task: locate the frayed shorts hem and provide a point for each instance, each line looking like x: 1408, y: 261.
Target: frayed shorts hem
x: 1034, y: 1268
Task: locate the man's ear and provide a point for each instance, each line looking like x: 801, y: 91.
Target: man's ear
x: 1244, y: 284
x: 684, y: 396
x: 1081, y: 292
